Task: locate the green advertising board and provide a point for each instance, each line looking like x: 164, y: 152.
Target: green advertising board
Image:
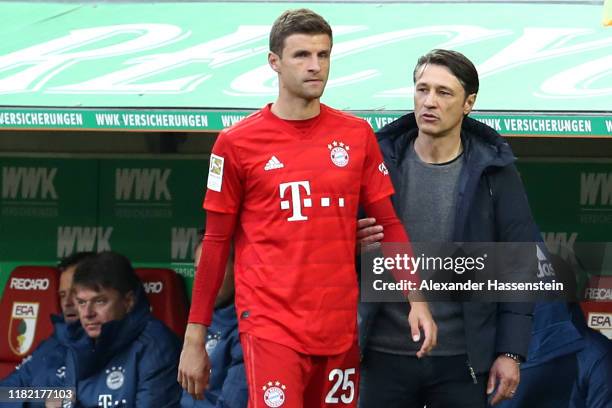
x: 152, y: 207
x: 148, y: 209
x: 41, y: 202
x: 571, y: 200
x: 210, y: 59
x: 508, y: 124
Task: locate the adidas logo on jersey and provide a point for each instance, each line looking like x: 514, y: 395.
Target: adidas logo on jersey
x: 273, y: 164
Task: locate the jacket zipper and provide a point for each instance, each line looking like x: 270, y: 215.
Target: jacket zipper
x: 472, y: 373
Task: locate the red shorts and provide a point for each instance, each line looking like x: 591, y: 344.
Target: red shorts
x: 279, y: 376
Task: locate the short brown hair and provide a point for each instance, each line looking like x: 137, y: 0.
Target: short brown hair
x: 458, y: 64
x: 299, y: 21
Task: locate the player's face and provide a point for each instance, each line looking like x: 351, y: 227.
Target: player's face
x: 440, y: 101
x: 65, y: 294
x: 98, y: 307
x: 303, y: 67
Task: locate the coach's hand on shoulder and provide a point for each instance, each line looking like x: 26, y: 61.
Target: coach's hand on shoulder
x: 420, y: 318
x: 194, y: 366
x: 369, y: 234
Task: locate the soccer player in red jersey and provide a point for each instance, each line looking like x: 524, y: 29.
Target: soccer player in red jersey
x: 285, y: 184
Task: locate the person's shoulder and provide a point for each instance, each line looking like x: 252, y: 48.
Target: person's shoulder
x: 598, y: 344
x: 47, y: 348
x: 156, y: 334
x: 595, y: 357
x: 44, y: 361
x: 156, y: 330
x: 345, y: 117
x: 244, y: 127
x: 49, y: 343
x: 156, y: 339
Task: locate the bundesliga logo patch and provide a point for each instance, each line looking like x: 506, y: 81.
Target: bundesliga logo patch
x: 274, y: 394
x: 215, y: 173
x: 339, y: 153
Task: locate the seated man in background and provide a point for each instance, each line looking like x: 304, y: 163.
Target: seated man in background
x: 227, y: 386
x: 593, y: 387
x: 47, y: 359
x: 120, y: 355
x: 569, y: 364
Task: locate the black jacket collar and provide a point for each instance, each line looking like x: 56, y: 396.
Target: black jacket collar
x: 483, y: 146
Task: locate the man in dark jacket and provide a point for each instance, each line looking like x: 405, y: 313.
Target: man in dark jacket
x: 455, y: 181
x: 120, y: 355
x: 593, y: 388
x: 569, y: 363
x: 47, y: 359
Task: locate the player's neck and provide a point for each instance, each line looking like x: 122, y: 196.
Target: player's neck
x: 296, y: 109
x: 438, y: 149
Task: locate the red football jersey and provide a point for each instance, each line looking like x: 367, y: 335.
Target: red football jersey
x: 296, y: 195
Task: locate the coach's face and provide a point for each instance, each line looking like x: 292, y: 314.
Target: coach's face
x: 440, y: 101
x: 96, y: 307
x: 303, y: 66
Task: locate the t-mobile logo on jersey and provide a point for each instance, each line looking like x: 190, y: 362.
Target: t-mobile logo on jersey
x: 106, y: 401
x: 297, y: 202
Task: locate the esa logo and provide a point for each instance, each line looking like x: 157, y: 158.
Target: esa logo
x: 600, y: 321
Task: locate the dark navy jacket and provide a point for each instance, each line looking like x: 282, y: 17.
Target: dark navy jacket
x: 40, y: 368
x: 555, y: 334
x: 133, y: 363
x: 570, y: 365
x: 491, y: 207
x: 550, y: 373
x: 227, y: 384
x: 593, y: 388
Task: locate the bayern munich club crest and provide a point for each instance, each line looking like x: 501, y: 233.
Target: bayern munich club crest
x: 115, y: 378
x: 339, y: 153
x: 274, y: 394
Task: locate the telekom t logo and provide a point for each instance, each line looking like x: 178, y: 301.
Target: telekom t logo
x: 295, y: 199
x: 297, y: 202
x: 105, y: 400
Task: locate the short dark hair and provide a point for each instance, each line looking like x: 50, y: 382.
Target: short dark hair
x: 73, y: 260
x: 107, y: 270
x: 457, y: 63
x: 299, y: 21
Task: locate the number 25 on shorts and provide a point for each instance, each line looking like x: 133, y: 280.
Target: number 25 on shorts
x: 343, y: 386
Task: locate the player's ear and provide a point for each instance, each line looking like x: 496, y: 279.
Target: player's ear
x: 273, y: 60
